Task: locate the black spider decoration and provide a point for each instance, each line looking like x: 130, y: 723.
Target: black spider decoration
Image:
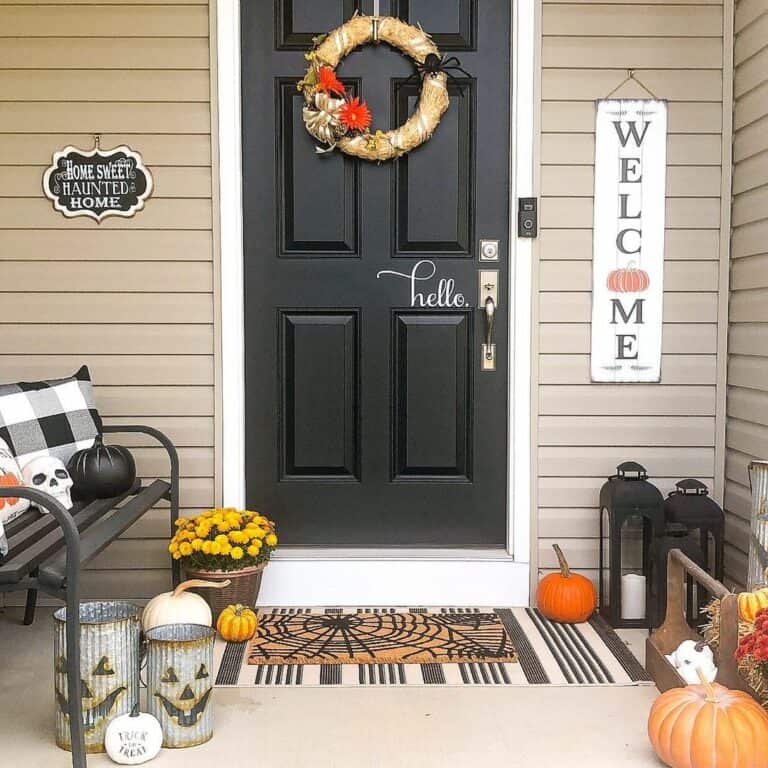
x: 434, y: 64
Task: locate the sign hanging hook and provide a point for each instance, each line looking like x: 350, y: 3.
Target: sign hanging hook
x: 631, y: 76
x: 375, y: 23
x: 97, y: 141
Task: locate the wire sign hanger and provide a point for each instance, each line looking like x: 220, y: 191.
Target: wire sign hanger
x: 631, y: 76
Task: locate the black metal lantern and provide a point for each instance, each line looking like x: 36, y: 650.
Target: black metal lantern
x: 691, y: 506
x: 631, y: 516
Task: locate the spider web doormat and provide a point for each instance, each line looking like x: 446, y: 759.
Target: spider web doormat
x: 424, y: 646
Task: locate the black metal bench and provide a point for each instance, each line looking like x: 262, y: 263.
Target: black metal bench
x: 46, y: 552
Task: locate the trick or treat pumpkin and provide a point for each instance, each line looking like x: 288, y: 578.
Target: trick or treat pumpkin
x: 109, y: 668
x: 133, y: 739
x: 566, y: 596
x: 709, y: 726
x: 102, y: 471
x: 179, y: 682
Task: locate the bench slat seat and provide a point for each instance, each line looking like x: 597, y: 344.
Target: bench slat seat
x: 106, y: 530
x: 33, y: 544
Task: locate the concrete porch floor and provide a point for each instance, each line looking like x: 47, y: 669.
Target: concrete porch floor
x: 340, y: 728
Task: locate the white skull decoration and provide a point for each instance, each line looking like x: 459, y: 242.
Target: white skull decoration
x: 47, y: 473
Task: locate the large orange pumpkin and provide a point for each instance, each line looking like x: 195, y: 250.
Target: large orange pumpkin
x: 709, y: 726
x: 565, y: 596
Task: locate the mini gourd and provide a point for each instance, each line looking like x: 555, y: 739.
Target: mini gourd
x: 133, y: 739
x: 237, y: 623
x: 751, y: 602
x: 565, y: 596
x: 180, y: 606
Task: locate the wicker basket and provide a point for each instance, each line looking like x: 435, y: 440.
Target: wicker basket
x: 244, y: 587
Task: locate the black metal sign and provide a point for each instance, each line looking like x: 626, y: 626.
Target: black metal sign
x: 97, y: 183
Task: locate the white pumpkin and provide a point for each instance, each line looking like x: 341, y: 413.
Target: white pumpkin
x: 180, y: 606
x: 133, y: 739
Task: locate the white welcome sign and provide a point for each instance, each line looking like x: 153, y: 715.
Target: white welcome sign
x: 628, y: 255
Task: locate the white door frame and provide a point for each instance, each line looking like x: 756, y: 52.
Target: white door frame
x: 332, y: 577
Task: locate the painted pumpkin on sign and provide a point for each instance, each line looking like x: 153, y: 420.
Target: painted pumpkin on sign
x: 237, y: 623
x: 565, y: 596
x: 628, y: 280
x: 8, y: 479
x: 709, y: 726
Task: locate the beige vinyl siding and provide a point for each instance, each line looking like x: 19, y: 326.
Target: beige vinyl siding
x: 747, y: 430
x: 585, y: 430
x: 134, y: 299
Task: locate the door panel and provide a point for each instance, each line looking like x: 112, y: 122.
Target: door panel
x: 319, y: 375
x: 432, y: 370
x: 447, y: 160
x: 369, y: 422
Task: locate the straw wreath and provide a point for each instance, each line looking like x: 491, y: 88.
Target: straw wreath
x: 345, y: 124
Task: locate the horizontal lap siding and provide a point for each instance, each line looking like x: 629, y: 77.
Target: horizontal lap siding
x: 132, y: 298
x: 584, y: 429
x: 747, y: 403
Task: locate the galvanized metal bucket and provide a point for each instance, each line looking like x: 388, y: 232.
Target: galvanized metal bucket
x: 179, y: 682
x: 109, y: 668
x: 758, y: 544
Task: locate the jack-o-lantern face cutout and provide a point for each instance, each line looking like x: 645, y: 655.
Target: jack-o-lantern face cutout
x: 185, y: 707
x: 99, y: 698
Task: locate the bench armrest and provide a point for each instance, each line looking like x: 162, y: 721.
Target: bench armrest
x: 173, y: 455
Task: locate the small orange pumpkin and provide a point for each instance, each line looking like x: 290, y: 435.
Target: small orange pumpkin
x: 237, y: 623
x: 8, y: 479
x: 565, y: 596
x: 709, y: 726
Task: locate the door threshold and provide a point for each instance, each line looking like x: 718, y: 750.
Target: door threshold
x: 351, y: 554
x: 402, y: 577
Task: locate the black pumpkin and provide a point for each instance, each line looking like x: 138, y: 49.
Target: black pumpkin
x: 102, y: 471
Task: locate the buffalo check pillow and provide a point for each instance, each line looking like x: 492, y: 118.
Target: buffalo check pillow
x: 49, y: 418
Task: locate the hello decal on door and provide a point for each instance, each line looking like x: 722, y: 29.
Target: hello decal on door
x: 628, y: 255
x: 446, y: 295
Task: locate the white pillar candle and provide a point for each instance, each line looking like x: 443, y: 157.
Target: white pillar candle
x: 633, y: 596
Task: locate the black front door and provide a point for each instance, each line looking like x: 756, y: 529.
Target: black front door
x: 370, y: 421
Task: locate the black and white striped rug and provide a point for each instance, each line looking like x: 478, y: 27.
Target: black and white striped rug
x: 548, y: 654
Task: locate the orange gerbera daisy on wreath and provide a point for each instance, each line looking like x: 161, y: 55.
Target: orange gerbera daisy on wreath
x: 327, y: 82
x: 355, y: 115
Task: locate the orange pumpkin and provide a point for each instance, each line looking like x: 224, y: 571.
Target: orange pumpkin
x: 8, y: 479
x: 629, y: 280
x: 565, y: 596
x: 237, y: 623
x: 709, y: 726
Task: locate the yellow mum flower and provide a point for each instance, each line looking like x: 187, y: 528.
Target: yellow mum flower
x: 181, y: 521
x: 271, y: 540
x: 225, y: 549
x: 256, y: 543
x: 253, y: 551
x: 259, y: 533
x: 176, y: 556
x: 202, y: 531
x: 173, y: 547
x: 207, y: 545
x: 197, y: 544
x: 215, y: 548
x: 236, y: 553
x: 223, y: 526
x: 221, y: 539
x: 185, y: 548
